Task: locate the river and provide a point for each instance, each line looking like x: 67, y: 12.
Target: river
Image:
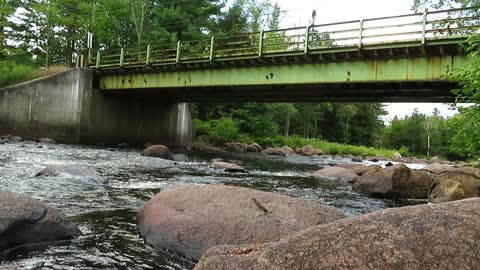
x: 107, y: 214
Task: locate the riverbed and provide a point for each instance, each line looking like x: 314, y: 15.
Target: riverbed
x: 107, y: 214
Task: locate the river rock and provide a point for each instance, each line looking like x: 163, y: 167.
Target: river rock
x: 228, y: 167
x: 159, y: 151
x: 357, y: 159
x: 359, y: 169
x: 307, y: 150
x: 254, y: 148
x: 27, y: 221
x: 288, y: 150
x: 236, y: 147
x: 47, y: 140
x: 180, y: 158
x: 395, y: 182
x: 437, y: 168
x: 337, y: 174
x: 427, y: 237
x: 396, y: 156
x: 456, y: 184
x: 275, y: 152
x: 73, y: 170
x: 192, y: 219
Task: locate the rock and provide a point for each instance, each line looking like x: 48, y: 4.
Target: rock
x: 159, y: 151
x: 307, y: 150
x: 5, y: 137
x: 389, y: 164
x: 275, y: 152
x: 319, y: 152
x: 396, y: 156
x: 337, y: 174
x: 425, y: 237
x: 254, y: 148
x: 373, y: 159
x: 236, y: 147
x: 228, y: 167
x: 192, y: 219
x: 27, y: 221
x: 147, y: 145
x: 359, y: 169
x: 288, y: 150
x: 357, y: 159
x: 15, y: 139
x: 47, y: 140
x: 437, y: 168
x: 123, y: 145
x: 456, y: 184
x: 434, y: 160
x: 180, y: 158
x: 73, y: 170
x: 217, y: 160
x: 395, y: 182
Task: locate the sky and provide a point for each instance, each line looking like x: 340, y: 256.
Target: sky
x: 298, y: 13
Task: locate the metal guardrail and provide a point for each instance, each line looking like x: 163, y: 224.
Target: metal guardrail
x: 419, y: 29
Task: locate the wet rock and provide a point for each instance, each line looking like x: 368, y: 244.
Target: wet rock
x: 359, y: 169
x: 123, y: 145
x: 373, y: 159
x: 455, y: 184
x: 435, y: 160
x: 5, y: 137
x: 236, y: 147
x: 307, y: 150
x: 254, y: 148
x: 337, y: 174
x: 357, y: 159
x: 389, y: 164
x: 427, y: 237
x: 437, y: 168
x: 180, y: 158
x: 217, y: 160
x: 395, y: 182
x: 73, y: 170
x: 275, y: 152
x: 15, y: 139
x: 159, y: 151
x: 47, y: 141
x: 258, y: 146
x: 27, y: 221
x: 190, y: 220
x: 228, y: 167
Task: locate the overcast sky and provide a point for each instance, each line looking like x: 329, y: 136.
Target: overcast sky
x: 298, y: 13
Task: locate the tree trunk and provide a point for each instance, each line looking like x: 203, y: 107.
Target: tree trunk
x: 286, y: 132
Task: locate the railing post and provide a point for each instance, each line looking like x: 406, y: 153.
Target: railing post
x: 149, y: 54
x: 179, y: 47
x: 212, y: 49
x: 307, y: 39
x: 260, y: 45
x: 97, y: 64
x: 360, y: 37
x: 122, y: 57
x: 424, y: 27
x: 82, y: 61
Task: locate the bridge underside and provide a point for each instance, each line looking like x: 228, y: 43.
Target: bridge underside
x: 419, y: 91
x: 383, y: 76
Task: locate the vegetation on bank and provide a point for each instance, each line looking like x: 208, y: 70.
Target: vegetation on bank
x: 12, y: 73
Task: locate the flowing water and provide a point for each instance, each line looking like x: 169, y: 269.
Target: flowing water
x: 107, y: 214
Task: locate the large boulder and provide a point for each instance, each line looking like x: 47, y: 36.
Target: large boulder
x: 288, y: 150
x: 254, y: 148
x: 159, y: 151
x: 395, y: 182
x: 192, y: 219
x: 456, y: 184
x: 426, y: 237
x: 337, y: 174
x: 437, y: 168
x: 228, y: 167
x: 236, y: 147
x: 27, y: 221
x: 359, y: 169
x: 307, y: 150
x: 72, y: 170
x: 180, y: 158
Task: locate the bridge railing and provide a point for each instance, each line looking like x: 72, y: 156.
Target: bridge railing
x: 386, y: 32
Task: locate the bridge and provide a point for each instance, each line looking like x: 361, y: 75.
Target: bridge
x: 405, y: 58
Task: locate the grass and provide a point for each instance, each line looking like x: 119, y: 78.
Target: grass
x: 12, y: 73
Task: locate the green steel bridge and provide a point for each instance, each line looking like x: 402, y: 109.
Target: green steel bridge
x: 406, y: 58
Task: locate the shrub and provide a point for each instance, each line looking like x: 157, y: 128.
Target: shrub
x: 224, y: 130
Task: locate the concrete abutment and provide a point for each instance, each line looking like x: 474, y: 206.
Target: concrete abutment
x: 64, y: 107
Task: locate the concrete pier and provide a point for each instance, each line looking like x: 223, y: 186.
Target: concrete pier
x: 66, y: 108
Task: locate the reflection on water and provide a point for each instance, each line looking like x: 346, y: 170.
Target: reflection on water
x: 107, y: 214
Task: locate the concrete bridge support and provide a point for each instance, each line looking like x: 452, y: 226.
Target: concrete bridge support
x: 64, y: 107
